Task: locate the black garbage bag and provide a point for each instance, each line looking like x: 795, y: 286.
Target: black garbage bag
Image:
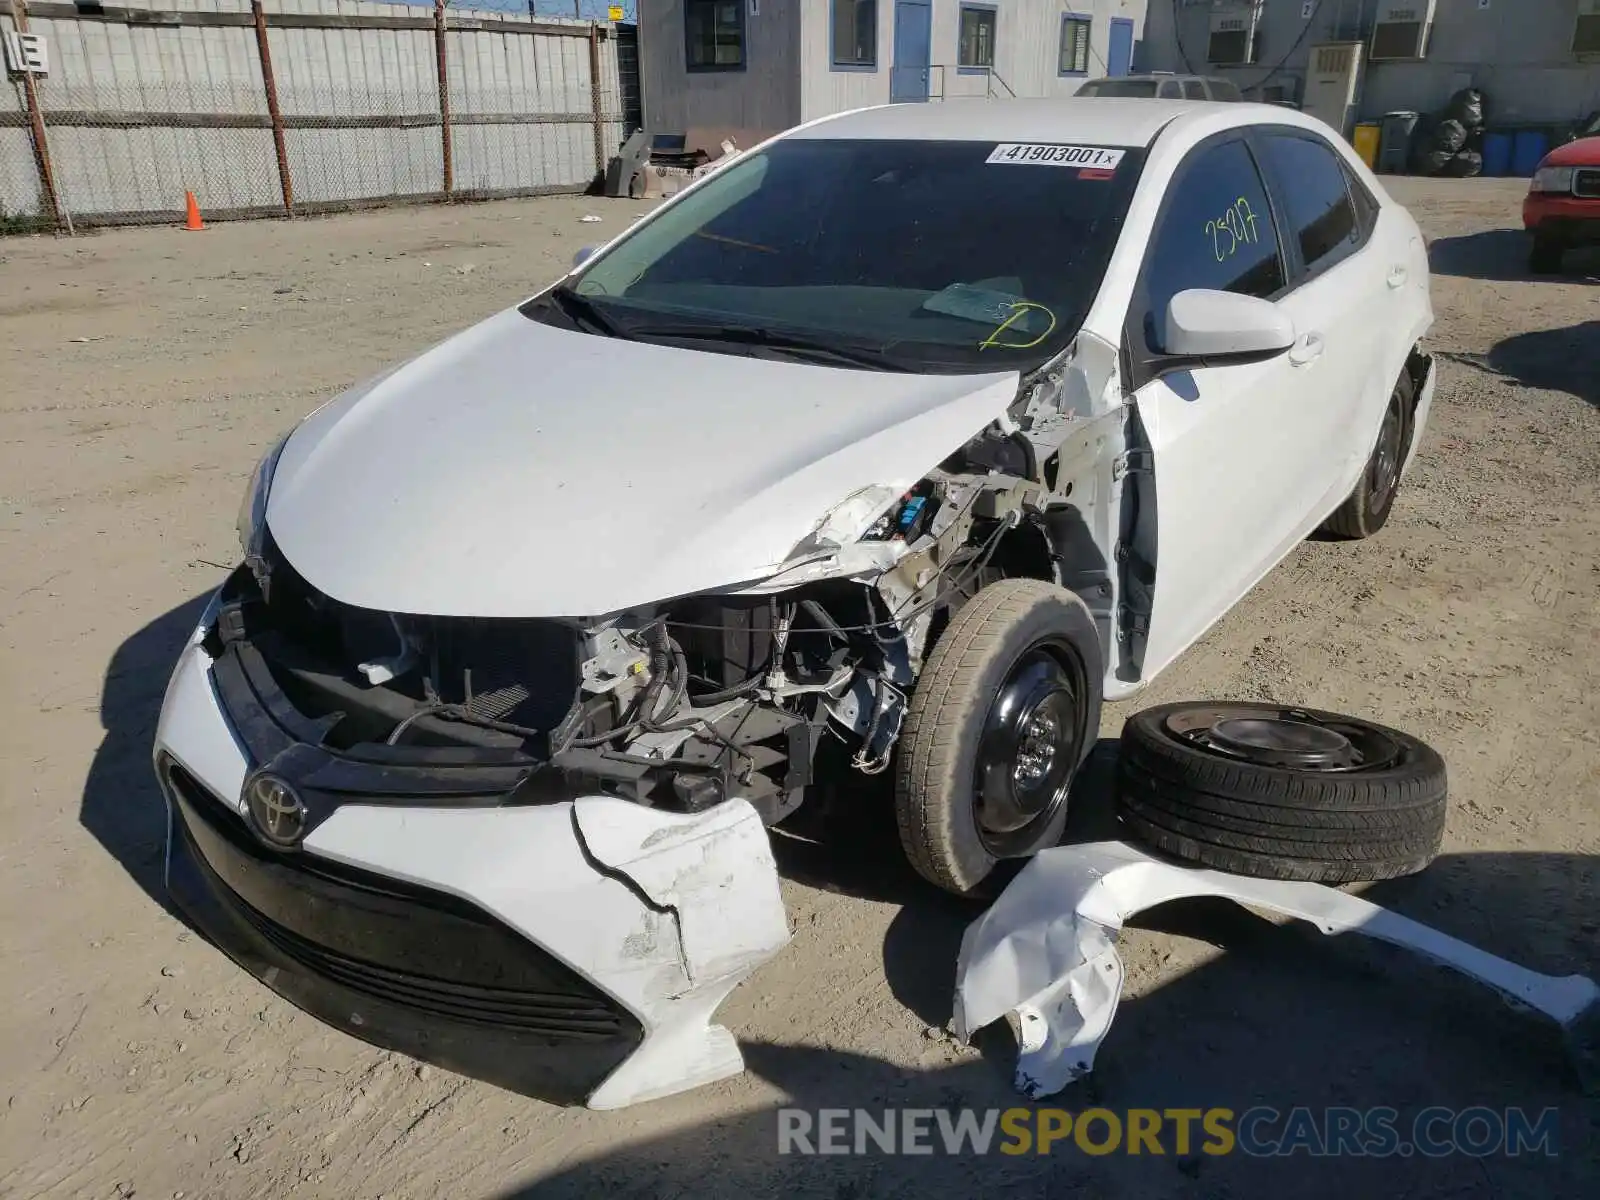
x: 1464, y: 165
x: 1451, y: 135
x: 1434, y: 162
x: 1466, y: 106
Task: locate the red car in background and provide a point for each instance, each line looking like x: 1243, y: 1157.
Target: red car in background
x: 1563, y: 205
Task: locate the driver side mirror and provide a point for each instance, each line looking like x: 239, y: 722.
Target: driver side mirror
x: 584, y: 254
x: 1206, y: 328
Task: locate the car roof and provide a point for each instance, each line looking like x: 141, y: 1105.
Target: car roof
x: 1091, y: 120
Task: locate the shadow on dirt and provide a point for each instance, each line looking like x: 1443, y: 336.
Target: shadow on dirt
x: 122, y: 807
x: 1501, y: 255
x: 1280, y: 1017
x: 1562, y: 360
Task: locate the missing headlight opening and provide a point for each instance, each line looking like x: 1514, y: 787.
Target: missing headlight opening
x: 687, y: 703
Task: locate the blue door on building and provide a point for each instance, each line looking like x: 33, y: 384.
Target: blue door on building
x: 913, y: 43
x: 1119, y: 54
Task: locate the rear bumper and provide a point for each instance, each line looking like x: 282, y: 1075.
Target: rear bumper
x: 572, y: 951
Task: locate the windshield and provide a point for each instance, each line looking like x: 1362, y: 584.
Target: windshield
x: 924, y: 256
x: 1143, y: 88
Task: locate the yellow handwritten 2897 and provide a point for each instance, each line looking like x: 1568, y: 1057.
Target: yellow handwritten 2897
x: 1235, y: 228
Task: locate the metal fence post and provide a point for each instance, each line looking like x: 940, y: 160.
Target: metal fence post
x: 41, y: 147
x: 444, y: 99
x: 270, y: 86
x: 594, y: 97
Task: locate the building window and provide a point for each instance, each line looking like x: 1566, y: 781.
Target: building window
x: 975, y: 39
x: 714, y: 34
x: 855, y: 34
x: 1074, y: 44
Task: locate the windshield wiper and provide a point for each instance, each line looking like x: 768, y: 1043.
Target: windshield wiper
x: 798, y: 345
x: 586, y: 312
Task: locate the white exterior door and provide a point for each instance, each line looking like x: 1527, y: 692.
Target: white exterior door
x: 1239, y: 453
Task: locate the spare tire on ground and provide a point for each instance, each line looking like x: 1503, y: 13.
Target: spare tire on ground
x: 1277, y: 792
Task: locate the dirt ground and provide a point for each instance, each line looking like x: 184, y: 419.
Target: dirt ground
x: 143, y: 371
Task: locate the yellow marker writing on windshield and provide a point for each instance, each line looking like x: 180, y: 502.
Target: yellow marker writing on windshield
x: 1017, y: 310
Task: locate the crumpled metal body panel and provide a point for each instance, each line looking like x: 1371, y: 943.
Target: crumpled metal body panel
x: 1046, y: 953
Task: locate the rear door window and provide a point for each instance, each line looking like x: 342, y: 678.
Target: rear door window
x: 1221, y: 89
x: 1193, y: 89
x: 1215, y: 232
x: 1170, y: 90
x: 1320, y: 217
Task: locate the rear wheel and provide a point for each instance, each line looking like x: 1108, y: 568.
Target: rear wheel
x: 1546, y: 256
x: 1004, y: 712
x: 1367, y: 509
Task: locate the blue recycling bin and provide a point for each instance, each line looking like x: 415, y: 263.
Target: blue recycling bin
x: 1528, y: 148
x: 1497, y: 152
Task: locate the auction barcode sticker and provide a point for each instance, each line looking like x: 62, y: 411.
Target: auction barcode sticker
x: 1045, y: 155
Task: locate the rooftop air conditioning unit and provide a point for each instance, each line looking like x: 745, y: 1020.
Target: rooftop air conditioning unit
x: 1586, y: 35
x: 1233, y: 33
x: 1402, y: 30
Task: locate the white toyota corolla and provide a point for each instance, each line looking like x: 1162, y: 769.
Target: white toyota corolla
x: 895, y: 444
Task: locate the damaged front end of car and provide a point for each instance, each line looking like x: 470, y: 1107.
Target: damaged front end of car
x: 531, y: 849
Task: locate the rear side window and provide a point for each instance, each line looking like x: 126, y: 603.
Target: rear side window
x: 1215, y: 232
x: 1221, y: 89
x: 1320, y: 216
x: 1193, y: 89
x: 1171, y: 91
x: 1366, y: 204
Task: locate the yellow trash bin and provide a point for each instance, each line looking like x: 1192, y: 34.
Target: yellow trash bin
x: 1366, y: 139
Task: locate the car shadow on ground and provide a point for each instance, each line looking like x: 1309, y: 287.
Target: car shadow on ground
x: 122, y: 806
x: 1279, y: 1017
x: 1502, y: 255
x: 1563, y: 360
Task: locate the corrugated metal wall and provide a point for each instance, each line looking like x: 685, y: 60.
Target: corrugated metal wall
x: 157, y: 97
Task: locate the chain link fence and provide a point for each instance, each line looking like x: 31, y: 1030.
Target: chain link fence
x: 268, y: 107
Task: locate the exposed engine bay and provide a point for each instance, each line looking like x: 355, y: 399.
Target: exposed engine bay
x: 745, y: 692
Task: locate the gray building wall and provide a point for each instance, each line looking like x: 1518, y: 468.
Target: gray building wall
x: 1518, y: 51
x: 789, y: 76
x: 763, y: 96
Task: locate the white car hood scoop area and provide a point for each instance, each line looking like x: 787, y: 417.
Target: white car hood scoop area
x: 521, y: 470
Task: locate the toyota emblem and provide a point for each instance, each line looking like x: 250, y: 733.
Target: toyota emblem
x: 275, y: 810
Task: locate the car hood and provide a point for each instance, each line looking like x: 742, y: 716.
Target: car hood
x: 1585, y: 152
x: 521, y: 470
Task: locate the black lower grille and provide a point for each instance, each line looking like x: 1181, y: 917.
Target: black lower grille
x: 568, y: 1016
x: 390, y: 940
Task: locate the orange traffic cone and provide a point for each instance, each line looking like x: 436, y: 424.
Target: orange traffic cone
x: 192, y: 221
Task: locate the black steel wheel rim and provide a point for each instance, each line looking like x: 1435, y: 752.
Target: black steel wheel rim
x: 1384, y: 472
x: 1029, y: 749
x: 1272, y: 735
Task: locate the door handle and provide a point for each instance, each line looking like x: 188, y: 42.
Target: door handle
x: 1307, y: 350
x: 1398, y: 275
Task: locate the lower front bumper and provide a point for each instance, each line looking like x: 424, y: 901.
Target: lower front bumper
x: 559, y: 1043
x: 573, y: 951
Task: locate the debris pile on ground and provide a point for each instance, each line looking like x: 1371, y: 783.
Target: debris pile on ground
x: 1451, y: 142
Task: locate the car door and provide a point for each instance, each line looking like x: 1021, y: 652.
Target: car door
x: 1230, y: 445
x: 1341, y: 298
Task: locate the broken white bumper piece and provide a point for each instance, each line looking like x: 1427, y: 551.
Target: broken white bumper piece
x: 1046, y: 953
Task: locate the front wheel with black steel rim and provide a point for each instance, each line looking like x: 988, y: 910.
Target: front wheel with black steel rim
x: 1278, y: 792
x: 1004, y: 713
x: 1367, y: 508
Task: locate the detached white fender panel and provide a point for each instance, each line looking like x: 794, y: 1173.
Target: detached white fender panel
x: 1046, y: 952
